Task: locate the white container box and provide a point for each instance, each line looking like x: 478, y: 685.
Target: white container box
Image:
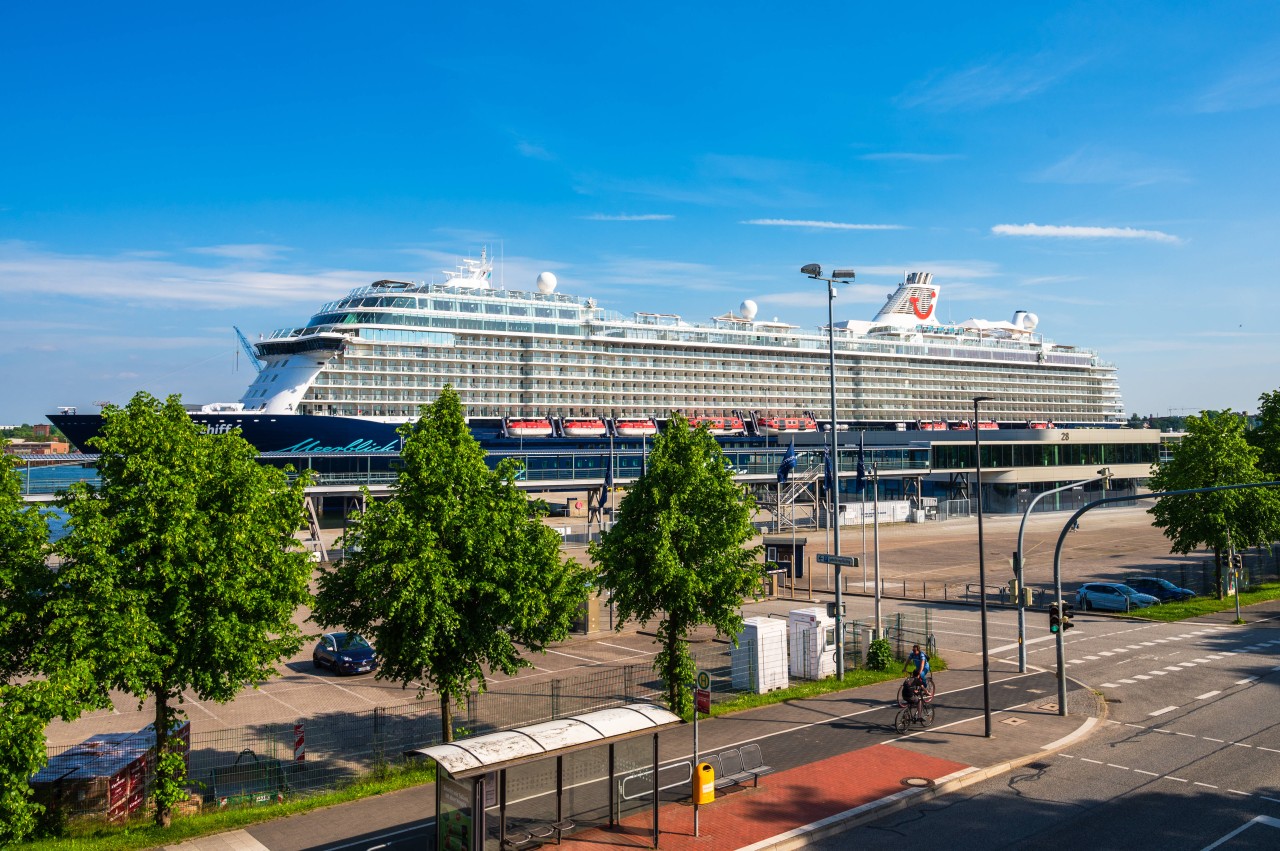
x: 812, y: 643
x: 759, y: 662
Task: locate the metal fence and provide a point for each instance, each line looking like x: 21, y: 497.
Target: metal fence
x: 265, y: 762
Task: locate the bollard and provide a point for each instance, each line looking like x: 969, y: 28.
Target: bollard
x: 299, y: 743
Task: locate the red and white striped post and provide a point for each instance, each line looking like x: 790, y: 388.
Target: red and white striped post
x: 299, y: 743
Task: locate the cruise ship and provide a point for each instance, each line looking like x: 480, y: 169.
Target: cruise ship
x: 543, y: 365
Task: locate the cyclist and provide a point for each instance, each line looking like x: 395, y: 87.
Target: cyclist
x: 918, y: 663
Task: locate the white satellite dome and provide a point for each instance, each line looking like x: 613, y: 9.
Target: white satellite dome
x: 1024, y: 320
x: 748, y: 309
x: 546, y: 283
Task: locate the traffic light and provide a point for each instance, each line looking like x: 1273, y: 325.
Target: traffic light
x: 1064, y: 617
x: 1237, y: 561
x: 1055, y: 620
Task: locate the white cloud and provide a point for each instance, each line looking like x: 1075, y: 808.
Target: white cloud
x: 532, y: 151
x: 805, y: 223
x: 1256, y: 85
x: 949, y: 269
x: 1078, y: 232
x: 998, y: 81
x: 1091, y: 165
x: 629, y: 217
x: 133, y: 279
x: 248, y: 251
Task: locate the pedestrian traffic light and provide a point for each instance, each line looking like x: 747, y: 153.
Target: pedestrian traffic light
x: 1237, y: 561
x: 1064, y: 617
x: 1055, y: 620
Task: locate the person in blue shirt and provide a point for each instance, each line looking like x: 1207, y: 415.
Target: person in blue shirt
x: 918, y: 663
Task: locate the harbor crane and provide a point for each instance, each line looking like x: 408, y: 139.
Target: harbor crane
x: 248, y: 350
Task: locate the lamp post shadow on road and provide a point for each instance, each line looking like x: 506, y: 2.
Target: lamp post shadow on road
x: 982, y: 567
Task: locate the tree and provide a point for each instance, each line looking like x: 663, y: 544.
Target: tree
x: 181, y: 572
x: 452, y: 572
x: 44, y: 690
x: 678, y: 552
x: 1266, y: 436
x: 1214, y: 452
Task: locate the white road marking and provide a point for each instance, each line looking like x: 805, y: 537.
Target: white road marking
x: 1110, y: 685
x: 1159, y: 673
x: 1149, y: 773
x: 1121, y: 767
x: 1141, y: 677
x: 1162, y: 711
x: 1105, y: 653
x: 1173, y: 668
x: 1171, y: 777
x: 1206, y: 785
x: 1219, y: 741
x: 1207, y: 695
x: 1245, y: 681
x: 1129, y: 682
x: 1094, y: 761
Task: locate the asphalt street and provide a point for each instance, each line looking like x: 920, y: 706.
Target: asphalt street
x: 1189, y: 755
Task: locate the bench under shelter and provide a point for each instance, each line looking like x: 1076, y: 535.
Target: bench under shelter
x: 510, y: 772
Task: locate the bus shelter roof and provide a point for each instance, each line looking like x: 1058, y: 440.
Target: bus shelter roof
x: 496, y: 751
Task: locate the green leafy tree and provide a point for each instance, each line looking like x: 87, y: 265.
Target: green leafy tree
x: 1266, y: 436
x: 181, y: 572
x: 33, y: 691
x: 452, y: 573
x: 1214, y: 452
x: 678, y: 552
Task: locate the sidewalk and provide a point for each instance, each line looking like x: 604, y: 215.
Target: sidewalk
x: 838, y: 763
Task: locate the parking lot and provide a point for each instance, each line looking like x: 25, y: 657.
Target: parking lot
x: 1109, y: 545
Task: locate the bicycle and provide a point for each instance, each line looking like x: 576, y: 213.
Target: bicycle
x: 915, y: 712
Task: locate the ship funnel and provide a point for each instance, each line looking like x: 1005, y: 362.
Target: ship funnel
x: 919, y: 279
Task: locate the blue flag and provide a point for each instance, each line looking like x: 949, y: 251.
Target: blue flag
x: 861, y: 481
x: 788, y: 463
x: 608, y: 482
x: 828, y: 472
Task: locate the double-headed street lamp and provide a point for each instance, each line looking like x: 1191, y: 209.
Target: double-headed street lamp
x: 813, y: 270
x: 982, y: 565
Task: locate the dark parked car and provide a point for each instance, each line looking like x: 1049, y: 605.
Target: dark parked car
x: 1112, y: 596
x: 1162, y: 589
x: 344, y: 653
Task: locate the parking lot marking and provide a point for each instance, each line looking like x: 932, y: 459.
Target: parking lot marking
x: 1162, y: 711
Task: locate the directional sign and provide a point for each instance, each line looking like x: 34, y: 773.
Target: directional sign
x: 844, y: 561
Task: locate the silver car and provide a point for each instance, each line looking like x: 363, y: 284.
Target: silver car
x: 1112, y: 596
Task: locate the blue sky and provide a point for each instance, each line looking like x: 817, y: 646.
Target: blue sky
x: 169, y: 171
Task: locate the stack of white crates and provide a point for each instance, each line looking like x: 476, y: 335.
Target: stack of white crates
x: 759, y: 662
x: 812, y: 640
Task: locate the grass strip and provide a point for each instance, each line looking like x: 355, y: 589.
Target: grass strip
x: 139, y: 834
x: 1208, y: 605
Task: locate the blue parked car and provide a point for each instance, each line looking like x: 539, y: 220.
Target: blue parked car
x: 344, y: 653
x: 1161, y: 589
x: 1112, y: 596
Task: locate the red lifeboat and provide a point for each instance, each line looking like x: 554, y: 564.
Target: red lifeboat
x: 785, y: 425
x: 987, y: 424
x: 583, y: 427
x: 1040, y: 424
x: 719, y: 425
x: 635, y: 427
x: 528, y: 427
x: 963, y: 425
x: 933, y: 425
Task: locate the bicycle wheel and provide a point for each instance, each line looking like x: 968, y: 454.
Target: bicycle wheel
x: 926, y: 714
x: 902, y: 695
x: 929, y: 690
x: 903, y: 721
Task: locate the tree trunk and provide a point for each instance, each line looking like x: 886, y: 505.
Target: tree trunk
x: 163, y: 722
x: 446, y: 717
x: 1217, y: 570
x: 672, y: 677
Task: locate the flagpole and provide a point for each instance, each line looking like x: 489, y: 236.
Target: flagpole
x: 862, y: 488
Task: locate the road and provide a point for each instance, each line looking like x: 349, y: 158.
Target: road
x: 1189, y: 754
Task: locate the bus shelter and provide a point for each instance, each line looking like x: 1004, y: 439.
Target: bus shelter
x: 473, y: 775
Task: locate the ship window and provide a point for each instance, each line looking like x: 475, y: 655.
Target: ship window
x: 568, y: 314
x: 469, y: 307
x: 443, y: 304
x: 495, y: 309
x: 517, y: 310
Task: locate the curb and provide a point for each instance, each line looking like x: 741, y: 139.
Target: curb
x: 800, y: 837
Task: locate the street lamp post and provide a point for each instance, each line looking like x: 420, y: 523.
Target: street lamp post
x: 813, y: 270
x: 1020, y: 560
x: 982, y: 566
